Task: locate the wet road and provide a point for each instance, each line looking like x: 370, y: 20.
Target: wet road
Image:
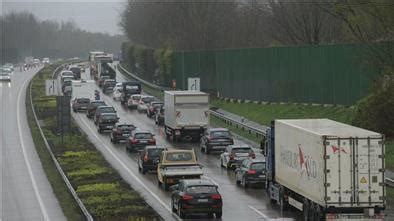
x: 239, y: 203
x: 25, y: 191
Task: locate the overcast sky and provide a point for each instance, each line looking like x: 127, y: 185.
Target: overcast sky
x: 90, y: 15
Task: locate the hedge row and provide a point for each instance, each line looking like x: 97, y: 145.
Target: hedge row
x: 105, y: 194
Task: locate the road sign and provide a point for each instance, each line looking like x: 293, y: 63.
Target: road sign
x: 51, y: 87
x: 193, y: 84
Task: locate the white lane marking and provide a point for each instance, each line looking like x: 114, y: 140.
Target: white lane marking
x: 126, y: 168
x: 258, y: 212
x: 213, y: 181
x: 33, y: 180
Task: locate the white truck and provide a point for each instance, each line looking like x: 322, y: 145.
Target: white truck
x: 326, y: 169
x: 186, y: 114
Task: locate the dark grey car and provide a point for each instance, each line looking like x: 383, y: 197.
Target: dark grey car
x: 215, y: 139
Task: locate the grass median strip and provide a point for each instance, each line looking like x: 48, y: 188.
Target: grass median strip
x: 105, y: 194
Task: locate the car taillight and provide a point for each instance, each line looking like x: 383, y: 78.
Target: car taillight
x: 152, y: 141
x: 133, y: 141
x: 216, y: 196
x: 146, y: 158
x: 251, y: 171
x: 252, y: 155
x: 187, y: 197
x: 232, y: 156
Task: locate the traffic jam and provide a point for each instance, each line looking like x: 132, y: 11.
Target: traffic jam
x: 289, y: 167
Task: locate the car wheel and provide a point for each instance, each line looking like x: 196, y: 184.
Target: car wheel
x: 180, y: 213
x: 173, y: 206
x: 143, y: 170
x: 221, y: 163
x: 244, y: 183
x: 99, y: 130
x: 75, y: 111
x: 206, y: 150
x: 237, y: 180
x: 158, y: 182
x: 218, y: 215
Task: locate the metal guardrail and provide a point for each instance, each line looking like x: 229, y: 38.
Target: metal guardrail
x: 58, y: 167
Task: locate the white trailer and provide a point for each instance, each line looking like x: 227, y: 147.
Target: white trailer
x: 328, y: 170
x: 186, y: 114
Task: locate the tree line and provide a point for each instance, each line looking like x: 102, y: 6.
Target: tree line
x: 22, y: 35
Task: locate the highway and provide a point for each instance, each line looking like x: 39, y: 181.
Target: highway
x: 239, y: 203
x: 25, y: 191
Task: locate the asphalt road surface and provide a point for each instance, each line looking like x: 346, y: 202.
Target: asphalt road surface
x: 239, y: 203
x: 25, y: 191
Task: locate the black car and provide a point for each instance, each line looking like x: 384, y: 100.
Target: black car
x: 139, y: 139
x: 76, y: 71
x: 159, y: 116
x: 108, y: 85
x: 215, y: 139
x: 80, y: 104
x: 149, y: 157
x: 106, y: 121
x: 91, y: 110
x: 196, y: 196
x: 121, y: 131
x: 152, y: 108
x: 251, y: 171
x: 103, y: 109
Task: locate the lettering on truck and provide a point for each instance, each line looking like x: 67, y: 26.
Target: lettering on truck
x: 299, y: 161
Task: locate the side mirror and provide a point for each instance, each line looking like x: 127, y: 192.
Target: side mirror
x: 174, y: 187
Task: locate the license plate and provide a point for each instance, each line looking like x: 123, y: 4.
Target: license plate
x: 144, y: 141
x: 261, y: 176
x: 109, y: 127
x: 125, y: 135
x: 203, y: 200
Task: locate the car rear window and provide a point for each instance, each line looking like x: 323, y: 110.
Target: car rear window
x: 143, y: 136
x: 83, y: 100
x: 154, y: 152
x: 108, y: 117
x: 147, y: 99
x: 179, y: 156
x: 107, y: 109
x: 125, y: 127
x: 242, y: 150
x: 136, y: 98
x: 220, y: 133
x: 258, y: 166
x: 201, y: 189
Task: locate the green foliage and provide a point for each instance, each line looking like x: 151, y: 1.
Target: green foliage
x: 164, y: 58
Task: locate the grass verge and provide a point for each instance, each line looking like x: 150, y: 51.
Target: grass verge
x: 70, y: 208
x: 105, y: 194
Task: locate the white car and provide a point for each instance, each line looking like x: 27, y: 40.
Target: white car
x: 134, y: 100
x: 118, y: 86
x: 5, y: 76
x: 116, y: 94
x: 142, y: 105
x: 45, y: 60
x: 233, y: 155
x: 66, y: 73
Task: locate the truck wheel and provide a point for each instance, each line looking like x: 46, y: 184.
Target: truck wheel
x: 305, y: 209
x: 312, y: 211
x: 218, y: 215
x: 318, y: 213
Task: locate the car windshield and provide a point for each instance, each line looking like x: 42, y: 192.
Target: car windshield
x: 143, y: 136
x: 98, y: 104
x: 258, y: 166
x: 147, y: 99
x: 201, y: 189
x: 154, y: 152
x: 182, y: 156
x: 107, y: 109
x: 83, y: 100
x: 108, y: 117
x: 242, y: 150
x: 221, y: 133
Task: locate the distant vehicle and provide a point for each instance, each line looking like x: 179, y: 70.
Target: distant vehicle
x: 5, y: 76
x: 215, y: 139
x: 153, y: 107
x: 175, y: 165
x: 9, y: 65
x: 148, y: 158
x: 66, y: 73
x: 196, y: 196
x: 159, y: 116
x: 129, y: 88
x: 139, y: 139
x: 106, y: 121
x: 76, y: 71
x: 67, y: 86
x: 186, y: 115
x: 7, y: 69
x: 144, y: 102
x: 326, y: 169
x: 233, y: 155
x: 45, y: 61
x: 101, y: 80
x: 80, y: 104
x: 117, y: 92
x: 251, y: 171
x: 118, y: 85
x: 91, y: 110
x: 134, y: 100
x: 36, y: 61
x: 101, y: 110
x: 108, y: 85
x: 121, y: 132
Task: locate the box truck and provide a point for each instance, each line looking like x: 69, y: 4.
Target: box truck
x: 326, y: 169
x: 186, y: 114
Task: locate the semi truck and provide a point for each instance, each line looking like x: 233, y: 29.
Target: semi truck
x: 129, y: 88
x: 326, y: 169
x: 186, y: 114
